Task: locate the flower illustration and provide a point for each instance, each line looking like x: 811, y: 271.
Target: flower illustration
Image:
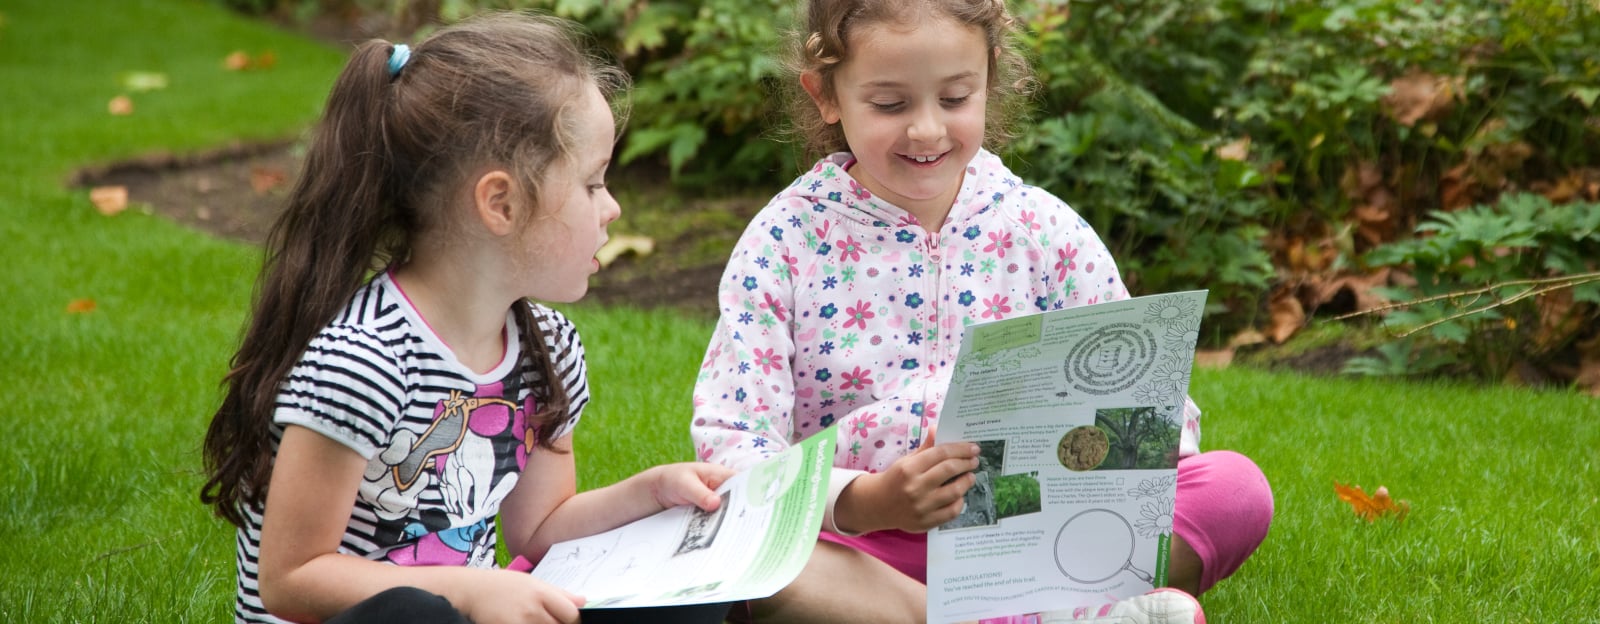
x: 1155, y: 518
x: 1150, y: 392
x: 1168, y: 310
x: 1171, y: 374
x: 828, y: 311
x: 1182, y: 336
x: 863, y: 423
x: 768, y: 361
x: 858, y: 315
x: 1152, y: 488
x: 1028, y: 219
x: 774, y: 306
x: 996, y: 307
x: 1066, y: 261
x: 999, y: 242
x: 849, y: 249
x: 856, y: 379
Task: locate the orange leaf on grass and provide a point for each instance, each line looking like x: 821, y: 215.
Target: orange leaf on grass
x: 238, y: 60
x: 1370, y: 508
x: 80, y: 306
x: 109, y: 200
x: 120, y: 106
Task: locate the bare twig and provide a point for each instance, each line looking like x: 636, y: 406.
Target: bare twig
x: 1535, y: 288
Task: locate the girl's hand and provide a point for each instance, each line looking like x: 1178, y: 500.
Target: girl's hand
x: 688, y: 483
x: 916, y: 493
x: 505, y: 596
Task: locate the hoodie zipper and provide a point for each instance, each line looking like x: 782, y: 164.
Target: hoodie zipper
x: 935, y: 329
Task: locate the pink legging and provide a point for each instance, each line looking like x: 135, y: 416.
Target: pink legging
x: 1223, y: 510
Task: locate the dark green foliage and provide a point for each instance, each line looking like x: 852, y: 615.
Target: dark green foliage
x: 1139, y: 437
x: 1515, y: 281
x: 1016, y: 494
x: 1197, y: 137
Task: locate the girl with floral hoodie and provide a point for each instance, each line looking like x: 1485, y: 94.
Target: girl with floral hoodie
x: 845, y: 300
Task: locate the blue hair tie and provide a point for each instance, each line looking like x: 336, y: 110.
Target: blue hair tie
x: 398, y: 57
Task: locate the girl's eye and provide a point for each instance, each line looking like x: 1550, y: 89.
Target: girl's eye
x: 595, y: 188
x: 954, y: 102
x: 887, y: 107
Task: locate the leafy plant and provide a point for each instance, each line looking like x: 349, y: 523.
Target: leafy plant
x: 1497, y: 284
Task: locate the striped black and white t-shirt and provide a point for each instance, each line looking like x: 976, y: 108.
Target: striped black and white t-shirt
x: 444, y: 444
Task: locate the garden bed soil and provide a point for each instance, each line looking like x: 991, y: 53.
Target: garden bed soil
x: 237, y: 191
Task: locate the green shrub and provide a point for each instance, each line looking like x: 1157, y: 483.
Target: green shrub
x: 1495, y: 285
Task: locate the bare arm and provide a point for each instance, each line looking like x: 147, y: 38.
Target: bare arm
x: 545, y: 509
x: 304, y: 577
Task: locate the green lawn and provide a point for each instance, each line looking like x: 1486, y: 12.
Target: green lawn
x: 97, y: 502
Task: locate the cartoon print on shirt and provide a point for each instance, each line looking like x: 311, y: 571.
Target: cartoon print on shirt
x: 448, y: 547
x: 461, y: 461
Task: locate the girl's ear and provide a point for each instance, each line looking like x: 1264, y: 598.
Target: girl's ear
x: 811, y: 81
x: 494, y: 202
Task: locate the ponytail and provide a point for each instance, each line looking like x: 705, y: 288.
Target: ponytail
x: 316, y: 259
x: 401, y: 131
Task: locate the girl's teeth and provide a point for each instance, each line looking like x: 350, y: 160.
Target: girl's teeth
x: 924, y: 159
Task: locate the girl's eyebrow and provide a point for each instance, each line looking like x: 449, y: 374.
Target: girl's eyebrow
x: 890, y: 84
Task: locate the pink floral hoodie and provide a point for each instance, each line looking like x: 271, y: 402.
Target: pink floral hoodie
x: 840, y: 308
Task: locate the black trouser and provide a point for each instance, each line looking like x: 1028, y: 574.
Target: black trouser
x: 409, y: 605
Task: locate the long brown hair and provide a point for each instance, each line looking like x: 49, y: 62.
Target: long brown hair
x: 821, y: 44
x: 384, y: 160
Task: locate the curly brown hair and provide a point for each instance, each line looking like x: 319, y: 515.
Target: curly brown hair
x: 821, y: 45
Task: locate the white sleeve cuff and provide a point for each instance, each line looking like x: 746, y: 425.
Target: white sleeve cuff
x: 841, y: 477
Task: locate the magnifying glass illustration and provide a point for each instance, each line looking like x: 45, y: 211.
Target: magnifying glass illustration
x: 1096, y: 545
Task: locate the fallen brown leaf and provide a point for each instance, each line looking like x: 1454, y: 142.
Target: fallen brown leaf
x: 120, y: 106
x: 109, y: 200
x: 1237, y: 150
x: 1588, y: 377
x: 1455, y: 190
x: 1213, y: 358
x: 80, y: 306
x: 1421, y: 95
x: 237, y: 60
x: 263, y: 179
x: 1285, y: 316
x: 1353, y: 292
x: 1370, y: 508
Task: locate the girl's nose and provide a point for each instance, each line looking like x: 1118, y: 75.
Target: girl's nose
x: 926, y: 127
x: 611, y: 211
